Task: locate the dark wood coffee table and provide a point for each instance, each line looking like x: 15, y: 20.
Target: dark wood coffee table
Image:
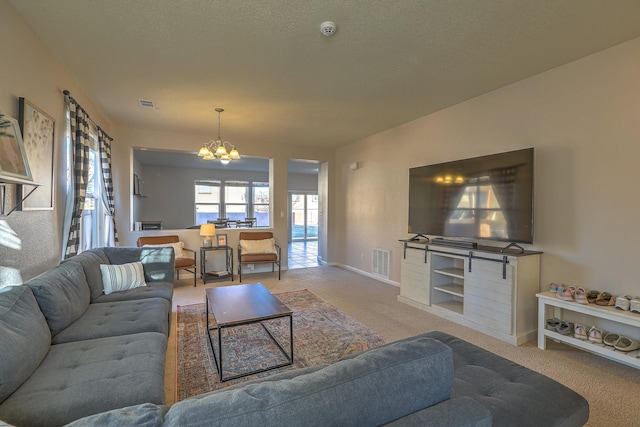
x: 241, y: 305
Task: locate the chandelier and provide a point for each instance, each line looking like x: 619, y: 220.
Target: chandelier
x: 218, y: 148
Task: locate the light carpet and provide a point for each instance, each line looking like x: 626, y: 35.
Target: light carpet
x: 611, y: 388
x: 322, y: 334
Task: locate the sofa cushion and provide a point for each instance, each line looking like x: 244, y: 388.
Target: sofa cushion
x: 265, y: 246
x: 152, y: 290
x: 177, y: 248
x: 84, y: 378
x: 90, y: 261
x: 24, y: 337
x: 111, y: 319
x: 513, y: 393
x: 463, y: 411
x: 257, y: 258
x: 118, y: 278
x: 62, y: 294
x: 416, y: 372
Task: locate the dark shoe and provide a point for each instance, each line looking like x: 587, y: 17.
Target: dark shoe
x: 552, y: 324
x: 564, y: 328
x: 605, y: 298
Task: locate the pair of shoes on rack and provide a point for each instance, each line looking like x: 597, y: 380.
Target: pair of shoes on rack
x: 623, y: 302
x: 620, y: 342
x: 560, y: 326
x: 628, y: 303
x: 572, y: 293
x: 593, y: 334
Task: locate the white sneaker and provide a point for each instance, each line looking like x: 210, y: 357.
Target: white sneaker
x: 595, y: 335
x: 634, y: 305
x: 623, y: 302
x: 580, y: 332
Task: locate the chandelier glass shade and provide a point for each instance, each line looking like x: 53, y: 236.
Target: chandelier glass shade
x: 218, y: 149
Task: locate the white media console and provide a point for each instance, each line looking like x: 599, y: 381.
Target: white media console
x: 482, y: 288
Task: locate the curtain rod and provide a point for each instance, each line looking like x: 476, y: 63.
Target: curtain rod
x: 67, y: 93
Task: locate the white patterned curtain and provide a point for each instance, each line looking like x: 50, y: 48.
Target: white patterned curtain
x: 78, y: 132
x: 110, y: 235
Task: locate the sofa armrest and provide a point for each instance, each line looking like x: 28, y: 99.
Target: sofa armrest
x: 145, y: 414
x: 192, y: 253
x: 158, y: 262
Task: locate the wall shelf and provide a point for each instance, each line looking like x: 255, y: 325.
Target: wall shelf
x: 3, y: 197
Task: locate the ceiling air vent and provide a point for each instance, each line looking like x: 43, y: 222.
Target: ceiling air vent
x: 146, y: 104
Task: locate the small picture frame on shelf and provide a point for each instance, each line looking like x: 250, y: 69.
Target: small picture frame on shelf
x: 221, y: 240
x: 13, y: 158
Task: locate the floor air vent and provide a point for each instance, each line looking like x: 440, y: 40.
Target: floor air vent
x: 380, y: 262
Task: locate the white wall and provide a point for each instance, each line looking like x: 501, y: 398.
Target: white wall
x: 28, y: 70
x: 582, y: 119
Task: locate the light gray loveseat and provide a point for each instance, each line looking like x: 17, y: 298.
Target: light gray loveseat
x: 68, y: 351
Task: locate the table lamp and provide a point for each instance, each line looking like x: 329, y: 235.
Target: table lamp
x: 207, y: 230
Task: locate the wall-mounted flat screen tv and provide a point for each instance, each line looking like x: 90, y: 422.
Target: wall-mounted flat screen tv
x: 488, y: 197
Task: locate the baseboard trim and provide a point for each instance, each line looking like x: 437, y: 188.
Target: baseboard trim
x: 365, y: 273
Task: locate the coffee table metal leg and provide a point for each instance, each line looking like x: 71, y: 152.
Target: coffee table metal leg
x: 220, y: 347
x: 291, y: 335
x: 213, y: 350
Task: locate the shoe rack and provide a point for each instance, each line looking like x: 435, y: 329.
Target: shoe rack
x: 549, y: 306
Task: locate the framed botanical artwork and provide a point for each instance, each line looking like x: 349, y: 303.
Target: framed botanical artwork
x: 221, y: 240
x: 38, y: 136
x: 14, y: 166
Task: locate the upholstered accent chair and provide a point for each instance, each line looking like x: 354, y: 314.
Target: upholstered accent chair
x: 258, y: 247
x: 185, y: 257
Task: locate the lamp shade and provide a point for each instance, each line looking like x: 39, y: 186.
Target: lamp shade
x: 208, y: 230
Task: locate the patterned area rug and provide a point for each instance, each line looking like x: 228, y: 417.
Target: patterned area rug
x: 322, y: 334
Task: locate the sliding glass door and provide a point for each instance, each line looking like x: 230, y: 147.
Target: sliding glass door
x: 304, y: 216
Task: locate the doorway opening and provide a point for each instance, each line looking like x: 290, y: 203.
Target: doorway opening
x: 303, y: 230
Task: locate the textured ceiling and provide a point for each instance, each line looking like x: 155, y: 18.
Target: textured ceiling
x: 280, y: 80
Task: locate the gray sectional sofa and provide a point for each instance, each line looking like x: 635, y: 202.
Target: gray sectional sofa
x: 432, y: 379
x: 68, y: 351
x: 51, y: 374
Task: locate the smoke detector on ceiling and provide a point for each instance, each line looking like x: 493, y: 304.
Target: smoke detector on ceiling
x: 328, y: 28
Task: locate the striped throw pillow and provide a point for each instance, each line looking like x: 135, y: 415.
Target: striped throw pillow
x: 118, y: 278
